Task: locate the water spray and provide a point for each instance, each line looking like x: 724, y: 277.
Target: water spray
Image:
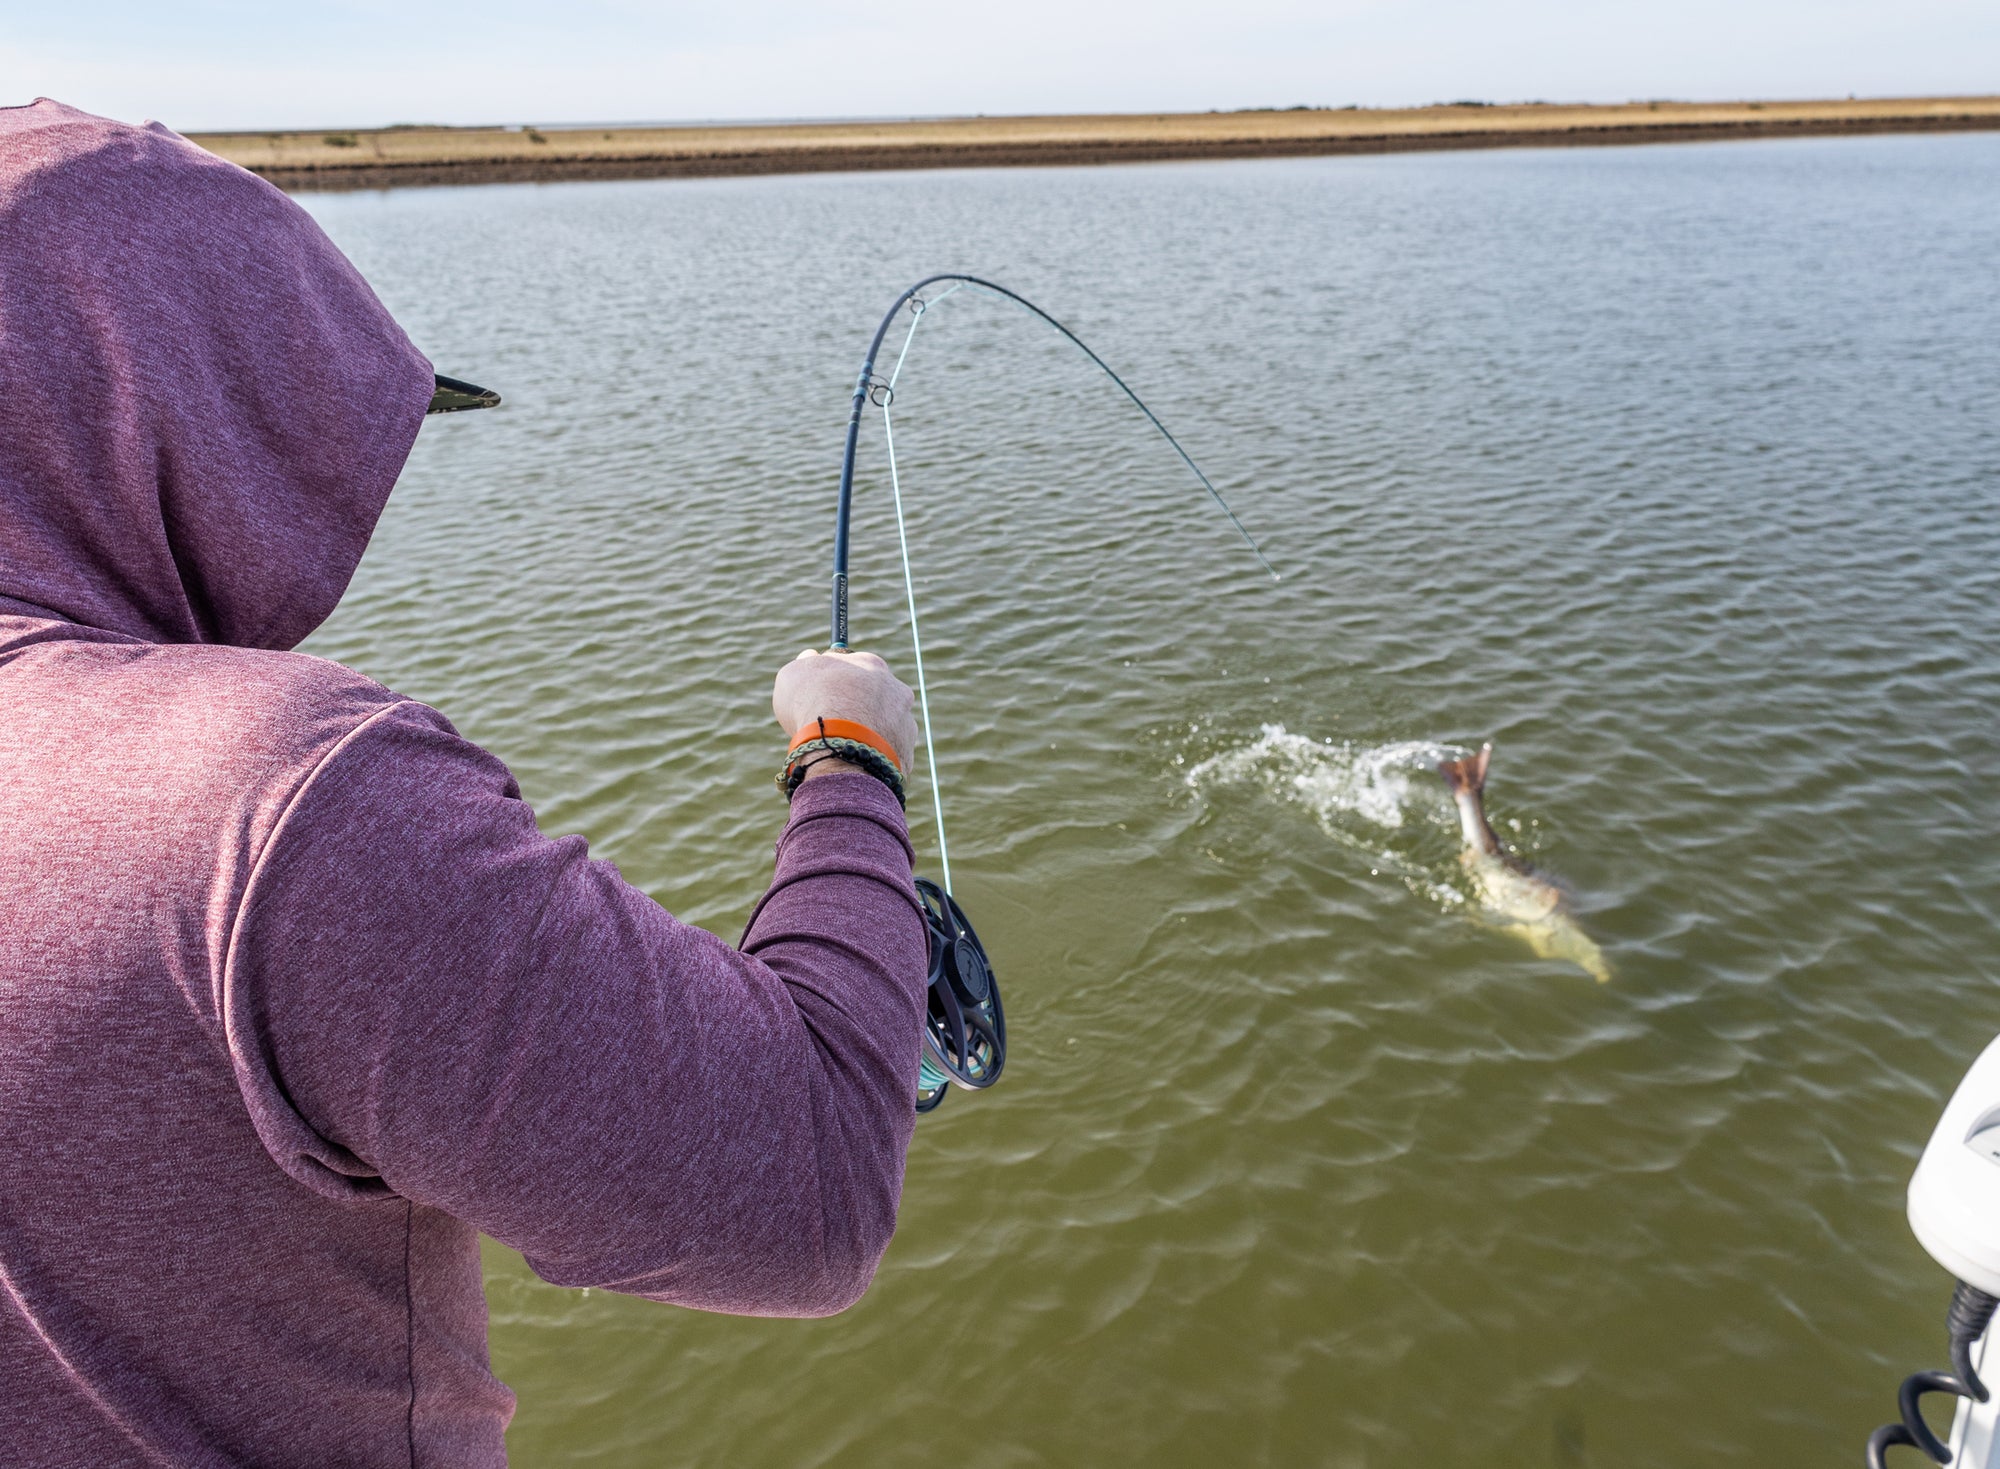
x: 965, y: 1026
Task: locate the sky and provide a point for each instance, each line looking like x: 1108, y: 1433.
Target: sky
x: 207, y: 64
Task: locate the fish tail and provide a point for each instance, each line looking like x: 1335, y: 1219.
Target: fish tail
x: 1469, y: 773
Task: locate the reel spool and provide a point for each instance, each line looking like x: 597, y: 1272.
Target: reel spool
x: 965, y: 1027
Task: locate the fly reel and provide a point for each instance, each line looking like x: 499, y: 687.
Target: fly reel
x: 965, y: 1028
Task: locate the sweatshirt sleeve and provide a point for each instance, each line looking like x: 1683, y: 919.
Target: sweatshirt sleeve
x: 426, y: 996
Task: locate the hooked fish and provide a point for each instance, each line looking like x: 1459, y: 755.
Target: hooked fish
x: 1511, y: 892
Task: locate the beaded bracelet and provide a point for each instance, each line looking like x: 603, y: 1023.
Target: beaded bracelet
x: 854, y: 752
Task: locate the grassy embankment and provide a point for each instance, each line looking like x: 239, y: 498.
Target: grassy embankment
x: 381, y: 158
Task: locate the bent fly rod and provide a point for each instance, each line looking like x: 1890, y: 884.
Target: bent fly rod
x: 965, y: 1026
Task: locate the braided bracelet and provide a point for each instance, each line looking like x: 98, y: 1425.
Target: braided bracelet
x: 832, y: 747
x: 794, y: 773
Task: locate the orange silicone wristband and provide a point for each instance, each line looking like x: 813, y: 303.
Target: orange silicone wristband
x: 847, y: 729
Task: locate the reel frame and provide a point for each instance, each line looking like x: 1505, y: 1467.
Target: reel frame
x: 965, y: 1024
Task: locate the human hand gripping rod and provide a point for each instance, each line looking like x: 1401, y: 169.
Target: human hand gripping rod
x: 965, y: 1026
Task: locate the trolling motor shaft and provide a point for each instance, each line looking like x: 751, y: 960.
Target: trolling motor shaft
x: 1954, y: 1211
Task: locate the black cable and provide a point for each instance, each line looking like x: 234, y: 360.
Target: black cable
x: 1971, y: 1309
x: 1965, y: 1322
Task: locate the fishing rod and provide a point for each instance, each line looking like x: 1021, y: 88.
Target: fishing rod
x: 965, y: 1025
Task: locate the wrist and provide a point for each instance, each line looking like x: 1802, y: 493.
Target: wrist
x: 810, y: 755
x: 829, y: 765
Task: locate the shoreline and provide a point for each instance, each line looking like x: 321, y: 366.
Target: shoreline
x: 407, y: 157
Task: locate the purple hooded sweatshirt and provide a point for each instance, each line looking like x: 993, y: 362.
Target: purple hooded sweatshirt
x: 294, y: 998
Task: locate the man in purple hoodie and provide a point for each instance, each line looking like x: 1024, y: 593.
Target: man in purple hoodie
x: 295, y: 1000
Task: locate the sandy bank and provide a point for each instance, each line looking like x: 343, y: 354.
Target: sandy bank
x: 393, y: 157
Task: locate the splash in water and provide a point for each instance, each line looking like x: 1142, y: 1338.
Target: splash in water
x: 1386, y: 802
x: 1367, y: 797
x: 1332, y: 781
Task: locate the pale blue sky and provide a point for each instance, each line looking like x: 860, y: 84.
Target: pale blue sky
x: 211, y: 64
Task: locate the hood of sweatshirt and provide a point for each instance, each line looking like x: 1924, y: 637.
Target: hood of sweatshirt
x: 203, y: 406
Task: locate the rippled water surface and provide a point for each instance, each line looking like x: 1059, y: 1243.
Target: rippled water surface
x: 1670, y: 470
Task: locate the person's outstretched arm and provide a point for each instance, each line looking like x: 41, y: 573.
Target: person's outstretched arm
x: 427, y: 996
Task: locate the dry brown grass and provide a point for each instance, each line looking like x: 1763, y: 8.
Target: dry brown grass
x: 374, y: 158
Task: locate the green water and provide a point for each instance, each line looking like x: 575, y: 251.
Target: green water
x: 1673, y: 471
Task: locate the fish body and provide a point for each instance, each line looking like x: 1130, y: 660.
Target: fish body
x: 1510, y: 892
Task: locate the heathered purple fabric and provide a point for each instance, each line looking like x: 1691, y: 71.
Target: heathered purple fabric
x: 294, y: 997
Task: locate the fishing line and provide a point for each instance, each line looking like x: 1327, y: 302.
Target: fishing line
x: 910, y: 599
x: 965, y: 1026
